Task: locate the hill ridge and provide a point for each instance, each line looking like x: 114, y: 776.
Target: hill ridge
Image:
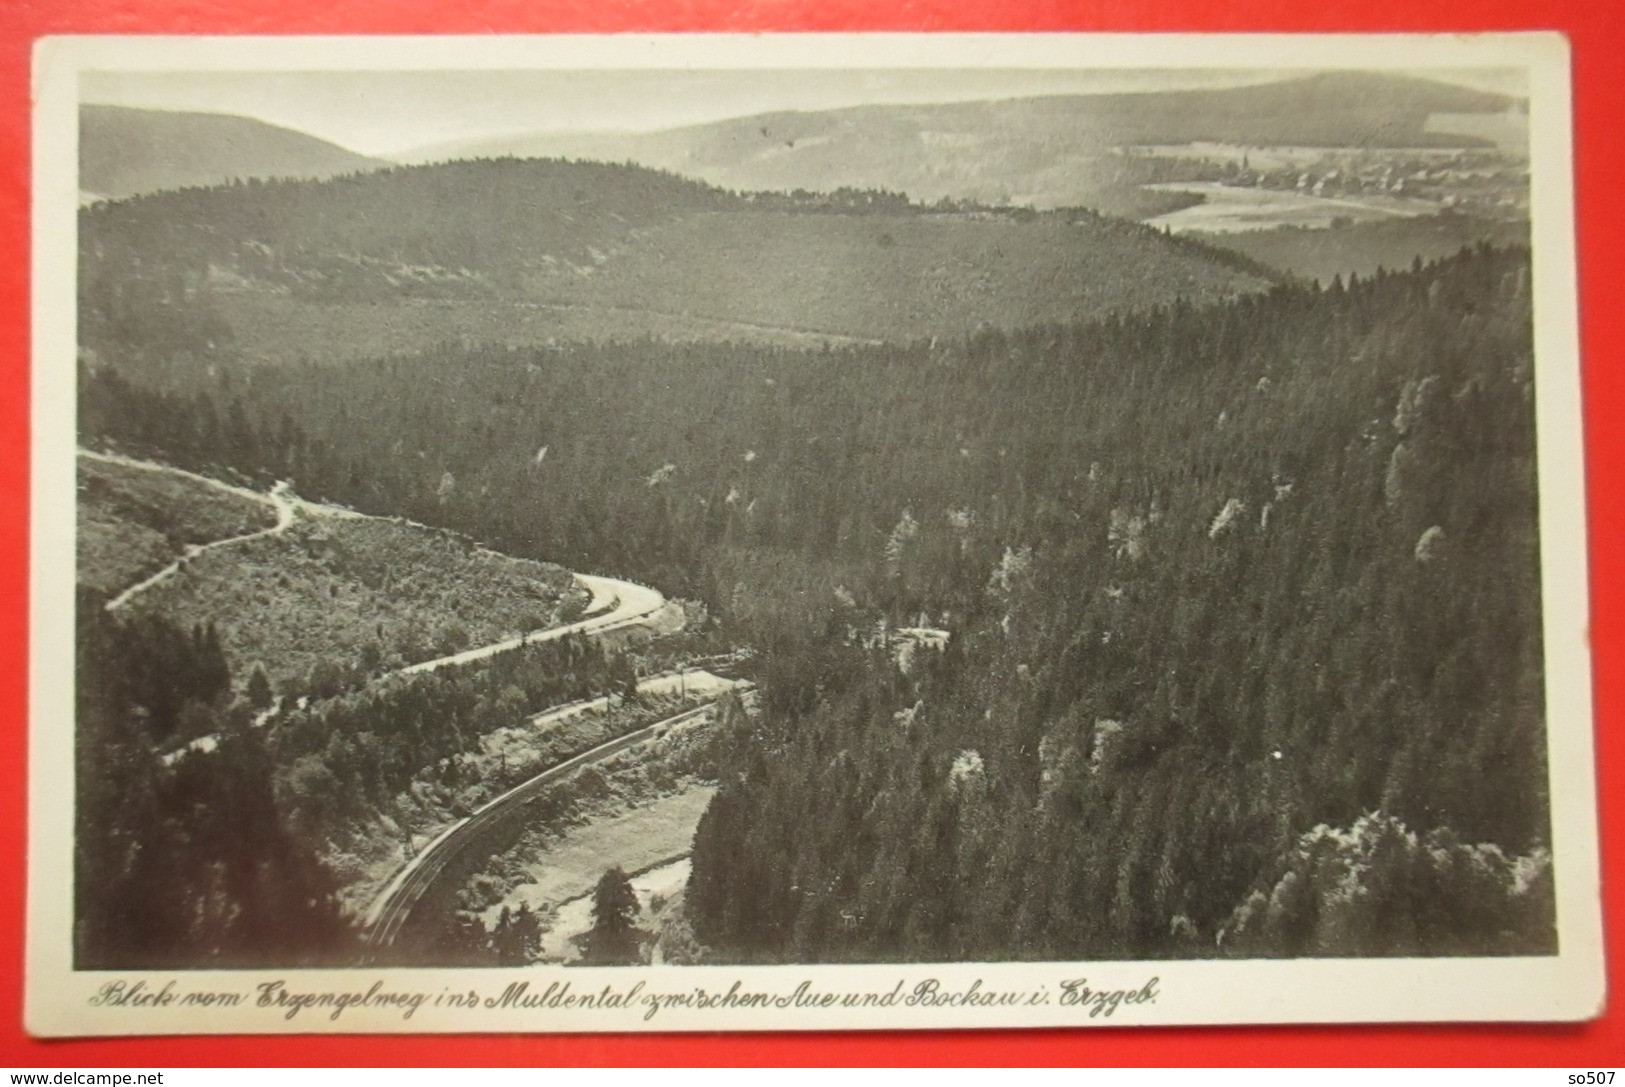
x: 586, y: 243
x: 1461, y: 99
x: 1042, y: 151
x: 127, y: 151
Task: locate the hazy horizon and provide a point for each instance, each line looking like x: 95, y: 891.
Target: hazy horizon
x: 394, y: 113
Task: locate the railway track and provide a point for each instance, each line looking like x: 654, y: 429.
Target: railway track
x: 390, y: 911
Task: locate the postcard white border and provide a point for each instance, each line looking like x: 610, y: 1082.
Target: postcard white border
x: 1567, y: 986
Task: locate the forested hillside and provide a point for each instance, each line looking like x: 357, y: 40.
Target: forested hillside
x: 1245, y: 649
x: 595, y: 251
x: 185, y: 866
x: 1268, y: 683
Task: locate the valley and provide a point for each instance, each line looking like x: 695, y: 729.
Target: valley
x: 1227, y: 209
x: 1098, y: 527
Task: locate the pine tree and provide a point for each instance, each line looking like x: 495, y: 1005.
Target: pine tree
x: 518, y: 936
x: 613, y: 939
x: 259, y: 689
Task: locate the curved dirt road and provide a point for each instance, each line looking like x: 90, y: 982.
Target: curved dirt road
x: 623, y: 604
x: 276, y: 499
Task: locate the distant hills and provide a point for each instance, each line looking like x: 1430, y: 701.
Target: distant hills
x: 1045, y: 152
x: 785, y: 228
x: 124, y: 151
x: 1055, y: 151
x: 529, y: 251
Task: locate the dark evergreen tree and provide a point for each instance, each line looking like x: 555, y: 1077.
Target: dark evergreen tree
x: 517, y: 938
x: 614, y: 939
x: 183, y: 862
x: 259, y: 689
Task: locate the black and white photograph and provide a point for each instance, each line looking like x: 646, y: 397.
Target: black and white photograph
x: 732, y: 534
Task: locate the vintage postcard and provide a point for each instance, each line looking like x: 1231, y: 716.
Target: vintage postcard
x: 728, y: 533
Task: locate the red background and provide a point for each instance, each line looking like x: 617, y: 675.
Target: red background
x: 1593, y: 30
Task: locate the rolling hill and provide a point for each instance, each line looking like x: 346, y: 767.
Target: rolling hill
x: 532, y: 251
x: 133, y: 522
x: 124, y: 151
x: 1047, y: 152
x: 323, y: 593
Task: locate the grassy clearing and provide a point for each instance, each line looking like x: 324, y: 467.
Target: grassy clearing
x: 553, y: 873
x: 660, y: 893
x: 132, y: 522
x: 115, y: 553
x: 336, y: 593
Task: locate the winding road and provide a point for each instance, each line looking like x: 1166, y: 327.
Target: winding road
x: 615, y: 605
x: 612, y: 604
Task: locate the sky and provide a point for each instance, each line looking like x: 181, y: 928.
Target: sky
x: 382, y: 113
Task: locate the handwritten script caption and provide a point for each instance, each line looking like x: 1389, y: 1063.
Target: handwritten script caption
x: 286, y: 1000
